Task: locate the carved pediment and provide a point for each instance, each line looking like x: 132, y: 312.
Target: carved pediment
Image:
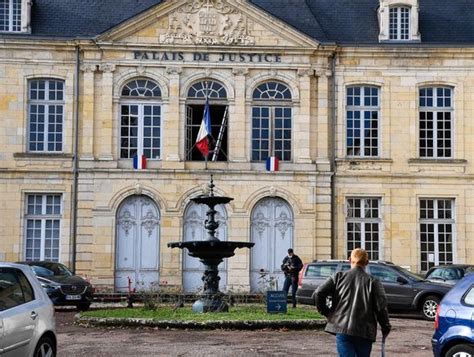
x: 207, y: 22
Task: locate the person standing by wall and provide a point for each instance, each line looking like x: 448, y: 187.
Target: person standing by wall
x: 291, y: 266
x: 358, y: 303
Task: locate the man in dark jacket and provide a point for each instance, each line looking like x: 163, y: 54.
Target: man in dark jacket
x: 291, y: 266
x: 358, y: 302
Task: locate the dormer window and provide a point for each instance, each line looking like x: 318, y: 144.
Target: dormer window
x: 400, y: 23
x: 398, y: 20
x: 15, y: 15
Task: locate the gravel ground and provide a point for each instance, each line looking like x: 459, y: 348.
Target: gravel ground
x: 409, y: 337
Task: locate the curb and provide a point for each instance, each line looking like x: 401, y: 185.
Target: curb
x: 227, y: 325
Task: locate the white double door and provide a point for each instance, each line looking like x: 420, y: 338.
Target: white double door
x: 137, y: 247
x: 272, y: 232
x: 194, y: 230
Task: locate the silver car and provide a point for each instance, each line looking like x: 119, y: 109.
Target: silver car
x: 27, y: 325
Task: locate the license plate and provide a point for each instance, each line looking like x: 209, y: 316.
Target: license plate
x: 73, y: 297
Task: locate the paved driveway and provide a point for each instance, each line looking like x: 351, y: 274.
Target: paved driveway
x: 409, y: 337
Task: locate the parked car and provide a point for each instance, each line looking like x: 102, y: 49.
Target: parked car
x: 62, y: 286
x: 454, y: 323
x: 27, y: 325
x: 449, y: 274
x: 405, y: 291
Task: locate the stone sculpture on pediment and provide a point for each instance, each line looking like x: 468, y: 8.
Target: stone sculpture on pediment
x: 207, y: 22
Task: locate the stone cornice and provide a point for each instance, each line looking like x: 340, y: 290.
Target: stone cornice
x: 406, y: 52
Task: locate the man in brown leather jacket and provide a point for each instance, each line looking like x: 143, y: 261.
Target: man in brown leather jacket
x: 358, y: 302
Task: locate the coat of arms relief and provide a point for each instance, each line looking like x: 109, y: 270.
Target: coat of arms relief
x: 207, y: 22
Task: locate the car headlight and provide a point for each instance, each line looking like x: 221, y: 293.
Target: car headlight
x: 49, y: 286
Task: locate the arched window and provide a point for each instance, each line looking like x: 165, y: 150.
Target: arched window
x: 272, y: 122
x: 141, y: 88
x: 272, y: 91
x: 207, y: 89
x: 206, y: 101
x: 140, y: 120
x: 45, y: 115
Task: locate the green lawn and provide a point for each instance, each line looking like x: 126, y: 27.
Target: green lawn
x: 236, y: 313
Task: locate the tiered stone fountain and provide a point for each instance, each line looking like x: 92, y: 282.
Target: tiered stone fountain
x: 211, y: 252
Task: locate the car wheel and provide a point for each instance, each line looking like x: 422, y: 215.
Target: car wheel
x: 45, y: 348
x: 429, y: 306
x: 461, y: 351
x: 83, y: 307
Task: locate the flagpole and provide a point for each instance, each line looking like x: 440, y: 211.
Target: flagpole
x: 207, y: 101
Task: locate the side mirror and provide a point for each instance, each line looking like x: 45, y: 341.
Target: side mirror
x: 402, y: 281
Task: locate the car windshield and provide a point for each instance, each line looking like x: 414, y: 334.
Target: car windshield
x: 50, y: 269
x: 408, y: 273
x: 435, y: 274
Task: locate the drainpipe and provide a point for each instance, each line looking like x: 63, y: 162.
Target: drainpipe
x: 75, y: 164
x: 332, y: 154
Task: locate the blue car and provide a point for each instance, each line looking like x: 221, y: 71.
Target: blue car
x: 454, y: 322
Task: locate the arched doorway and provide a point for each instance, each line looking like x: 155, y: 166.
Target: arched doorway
x: 137, y: 253
x: 272, y: 232
x: 194, y: 230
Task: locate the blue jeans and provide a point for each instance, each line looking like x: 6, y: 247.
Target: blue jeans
x: 352, y: 346
x: 293, y: 282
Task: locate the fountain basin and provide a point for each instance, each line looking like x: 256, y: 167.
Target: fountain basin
x: 211, y: 249
x: 214, y: 200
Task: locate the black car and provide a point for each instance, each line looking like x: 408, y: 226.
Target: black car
x: 405, y: 291
x: 63, y: 287
x: 449, y: 274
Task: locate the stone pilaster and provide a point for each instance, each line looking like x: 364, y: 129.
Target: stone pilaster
x: 238, y: 148
x: 302, y: 147
x: 105, y: 113
x: 322, y: 120
x: 87, y: 113
x: 171, y: 126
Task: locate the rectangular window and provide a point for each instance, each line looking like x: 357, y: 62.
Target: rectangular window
x: 140, y: 131
x: 46, y: 115
x: 10, y: 15
x: 362, y: 121
x: 43, y: 222
x: 436, y: 124
x: 363, y: 225
x: 436, y: 232
x: 399, y: 23
x: 271, y: 133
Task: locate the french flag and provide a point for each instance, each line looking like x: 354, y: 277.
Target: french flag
x: 139, y: 162
x: 272, y: 163
x: 202, y: 140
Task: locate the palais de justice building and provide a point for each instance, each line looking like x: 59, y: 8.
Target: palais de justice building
x: 367, y: 104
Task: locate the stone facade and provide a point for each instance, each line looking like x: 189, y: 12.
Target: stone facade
x: 400, y: 177
x: 239, y: 48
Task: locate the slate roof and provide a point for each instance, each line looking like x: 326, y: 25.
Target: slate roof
x: 327, y: 21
